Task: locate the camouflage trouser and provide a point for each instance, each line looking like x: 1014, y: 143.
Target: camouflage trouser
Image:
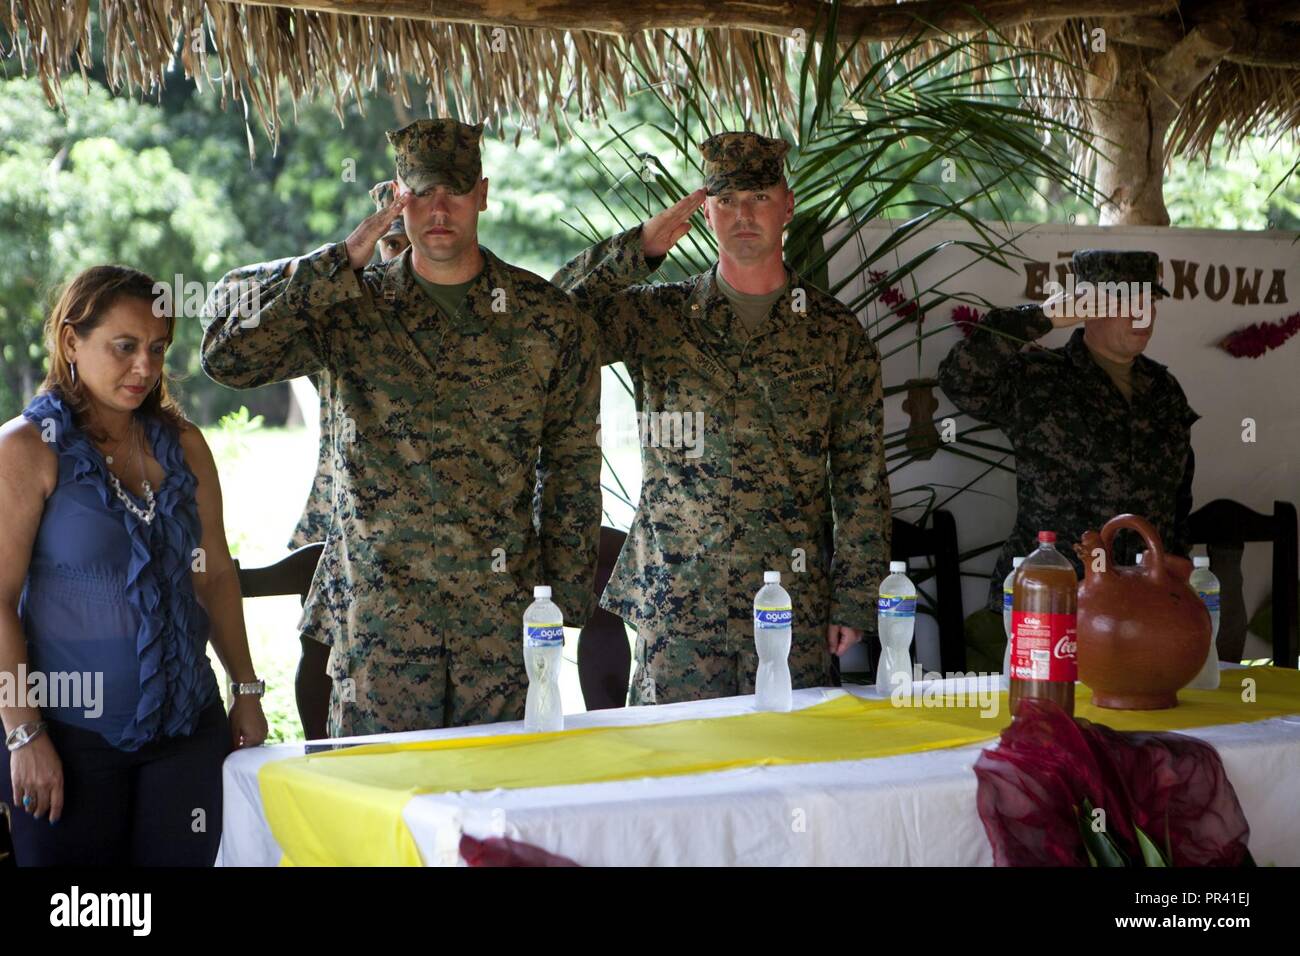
x: 374, y: 696
x: 709, y: 652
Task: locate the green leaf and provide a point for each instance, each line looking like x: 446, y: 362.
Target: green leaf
x: 1101, y: 848
x: 1151, y: 855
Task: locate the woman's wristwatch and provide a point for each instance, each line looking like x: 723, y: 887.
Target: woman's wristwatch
x: 252, y: 689
x: 24, y: 734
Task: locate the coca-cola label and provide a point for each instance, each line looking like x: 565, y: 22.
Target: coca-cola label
x: 1044, y: 646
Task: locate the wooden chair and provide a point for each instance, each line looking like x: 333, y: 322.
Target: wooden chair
x: 1224, y: 527
x: 604, y: 658
x: 312, y: 684
x: 939, y: 542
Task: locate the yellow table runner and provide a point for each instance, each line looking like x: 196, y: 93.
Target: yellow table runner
x: 344, y: 807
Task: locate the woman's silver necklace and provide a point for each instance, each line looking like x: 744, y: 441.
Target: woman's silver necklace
x: 145, y: 515
x: 118, y: 446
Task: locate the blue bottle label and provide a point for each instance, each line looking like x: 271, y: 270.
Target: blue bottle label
x: 544, y: 635
x: 1007, y: 595
x: 896, y: 605
x: 1210, y: 599
x: 773, y: 617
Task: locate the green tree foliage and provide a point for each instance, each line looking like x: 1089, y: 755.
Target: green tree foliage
x: 79, y: 189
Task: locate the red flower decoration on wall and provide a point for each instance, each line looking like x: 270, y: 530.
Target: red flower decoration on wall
x: 899, y: 304
x: 967, y: 318
x: 1260, y: 337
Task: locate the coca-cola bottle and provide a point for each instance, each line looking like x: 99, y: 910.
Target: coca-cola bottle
x: 1044, y: 658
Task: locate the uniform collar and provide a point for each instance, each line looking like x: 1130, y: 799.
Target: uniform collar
x: 399, y: 287
x: 707, y: 298
x: 1145, y: 370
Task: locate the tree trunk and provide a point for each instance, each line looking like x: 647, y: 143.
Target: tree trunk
x: 1136, y: 95
x: 1129, y: 142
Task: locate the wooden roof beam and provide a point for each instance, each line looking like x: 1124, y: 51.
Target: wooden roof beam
x: 1275, y: 44
x: 782, y: 17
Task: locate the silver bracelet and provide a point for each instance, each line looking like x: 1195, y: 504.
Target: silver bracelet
x: 24, y: 734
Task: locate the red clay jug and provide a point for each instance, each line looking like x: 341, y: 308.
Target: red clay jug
x: 1143, y: 632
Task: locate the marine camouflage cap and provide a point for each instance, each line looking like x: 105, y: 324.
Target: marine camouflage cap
x: 1117, y: 265
x: 383, y: 194
x: 433, y: 152
x: 742, y: 161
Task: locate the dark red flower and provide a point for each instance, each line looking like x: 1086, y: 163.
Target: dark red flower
x: 1260, y: 337
x: 503, y: 851
x: 967, y: 318
x: 900, y: 304
x: 1033, y: 787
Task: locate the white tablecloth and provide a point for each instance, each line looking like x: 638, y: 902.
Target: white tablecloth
x: 910, y: 810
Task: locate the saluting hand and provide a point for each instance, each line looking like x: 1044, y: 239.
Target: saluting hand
x: 661, y: 233
x: 361, y: 244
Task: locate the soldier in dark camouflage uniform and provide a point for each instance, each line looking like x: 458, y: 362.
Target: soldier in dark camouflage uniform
x: 1098, y: 428
x: 314, y: 524
x: 786, y: 385
x: 466, y: 393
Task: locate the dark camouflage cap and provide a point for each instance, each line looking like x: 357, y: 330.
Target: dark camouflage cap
x: 433, y: 152
x: 383, y: 194
x: 742, y: 161
x: 1117, y: 265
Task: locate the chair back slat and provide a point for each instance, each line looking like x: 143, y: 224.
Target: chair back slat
x: 1225, y: 526
x: 293, y: 575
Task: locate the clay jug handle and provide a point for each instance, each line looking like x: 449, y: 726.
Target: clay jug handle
x: 1154, y: 564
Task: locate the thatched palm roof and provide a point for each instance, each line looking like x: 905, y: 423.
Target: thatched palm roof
x: 523, y: 62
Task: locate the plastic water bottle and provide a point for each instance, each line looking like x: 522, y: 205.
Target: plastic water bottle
x: 543, y: 651
x: 896, y: 624
x: 1007, y: 594
x: 773, y: 615
x: 1206, y: 586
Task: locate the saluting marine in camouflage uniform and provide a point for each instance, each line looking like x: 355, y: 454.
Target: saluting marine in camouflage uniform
x: 786, y: 386
x: 316, y: 514
x: 1098, y: 428
x: 468, y: 466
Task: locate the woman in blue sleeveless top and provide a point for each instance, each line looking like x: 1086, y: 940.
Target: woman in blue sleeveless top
x: 114, y: 575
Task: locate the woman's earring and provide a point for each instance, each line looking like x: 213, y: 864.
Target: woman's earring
x: 73, y: 366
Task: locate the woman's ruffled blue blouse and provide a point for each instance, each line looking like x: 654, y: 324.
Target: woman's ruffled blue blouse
x: 109, y: 598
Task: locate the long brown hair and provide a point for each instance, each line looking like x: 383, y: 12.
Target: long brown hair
x: 82, y: 305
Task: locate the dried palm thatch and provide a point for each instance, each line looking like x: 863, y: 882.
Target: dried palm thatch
x: 510, y: 64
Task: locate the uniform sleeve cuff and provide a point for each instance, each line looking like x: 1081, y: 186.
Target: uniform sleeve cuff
x: 632, y: 240
x: 332, y: 274
x: 1023, y: 321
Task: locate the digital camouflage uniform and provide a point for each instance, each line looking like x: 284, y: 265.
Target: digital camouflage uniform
x: 314, y: 524
x: 466, y: 470
x: 1083, y: 453
x: 791, y: 421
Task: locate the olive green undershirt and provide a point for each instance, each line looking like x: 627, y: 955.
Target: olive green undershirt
x: 1121, y: 373
x: 446, y: 297
x: 750, y: 309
